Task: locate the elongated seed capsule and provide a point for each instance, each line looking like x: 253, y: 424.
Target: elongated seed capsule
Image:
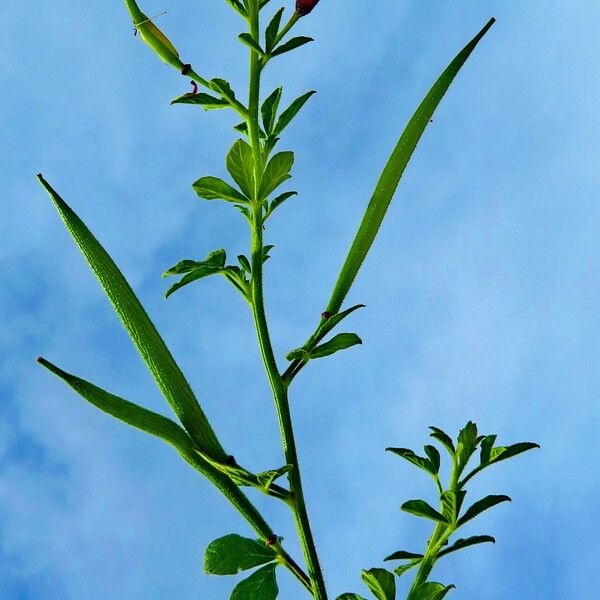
x: 153, y: 36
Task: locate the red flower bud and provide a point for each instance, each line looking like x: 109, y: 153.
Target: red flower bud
x: 303, y: 7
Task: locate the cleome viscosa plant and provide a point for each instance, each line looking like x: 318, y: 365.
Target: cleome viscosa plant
x: 258, y: 171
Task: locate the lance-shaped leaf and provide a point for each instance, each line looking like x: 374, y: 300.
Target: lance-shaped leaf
x: 466, y: 542
x: 415, y: 459
x: 341, y: 341
x: 261, y: 585
x: 142, y: 331
x: 452, y: 503
x: 266, y: 478
x: 444, y: 439
x: 213, y: 188
x: 467, y: 444
x: 222, y: 87
x: 238, y: 7
x: 381, y: 583
x: 277, y: 202
x: 407, y: 567
x: 481, y: 505
x: 403, y: 555
x: 273, y: 29
x: 216, y: 258
x: 434, y: 456
x: 430, y: 590
x: 233, y: 553
x: 292, y: 44
x: 388, y: 182
x: 269, y: 108
x: 247, y: 39
x: 207, y: 101
x: 240, y: 164
x: 420, y: 508
x: 290, y: 112
x: 277, y: 171
x: 153, y: 36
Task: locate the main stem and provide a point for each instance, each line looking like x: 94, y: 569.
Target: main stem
x: 278, y: 388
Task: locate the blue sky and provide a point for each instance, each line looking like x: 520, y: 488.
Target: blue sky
x: 481, y: 292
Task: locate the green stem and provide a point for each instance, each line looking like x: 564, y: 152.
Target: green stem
x: 262, y: 330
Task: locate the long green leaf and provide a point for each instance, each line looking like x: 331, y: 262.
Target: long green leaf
x: 388, y: 182
x: 142, y: 331
x: 170, y: 432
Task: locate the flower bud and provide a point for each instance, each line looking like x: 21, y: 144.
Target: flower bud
x: 303, y: 7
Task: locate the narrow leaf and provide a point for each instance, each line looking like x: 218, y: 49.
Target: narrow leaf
x: 381, y: 583
x: 481, y: 505
x: 420, y: 508
x: 510, y: 451
x: 277, y: 202
x: 273, y: 29
x: 245, y: 263
x: 465, y: 543
x: 415, y: 459
x: 340, y: 342
x: 486, y: 448
x: 404, y: 568
x: 144, y: 335
x: 444, y: 439
x: 289, y: 113
x: 240, y: 165
x: 329, y: 322
x: 233, y: 553
x: 434, y: 456
x: 247, y: 39
x: 266, y: 478
x: 292, y: 44
x: 261, y: 585
x: 207, y: 101
x: 195, y: 275
x: 269, y: 109
x: 403, y: 555
x: 451, y: 503
x: 222, y: 87
x: 388, y: 182
x: 213, y: 188
x: 277, y: 171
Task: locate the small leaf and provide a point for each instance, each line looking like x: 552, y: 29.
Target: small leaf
x: 243, y: 260
x: 238, y: 7
x: 415, y: 459
x: 486, y: 448
x: 381, y: 583
x: 292, y: 44
x: 195, y: 275
x: 467, y: 443
x: 451, y: 503
x: 434, y: 456
x: 277, y: 202
x: 213, y: 188
x: 340, y: 342
x: 207, y: 101
x: 247, y: 39
x: 182, y: 267
x: 272, y: 30
x: 289, y: 113
x: 420, y: 508
x: 216, y: 258
x: 261, y: 585
x: 298, y: 354
x: 233, y: 553
x: 269, y: 109
x: 404, y: 568
x: 444, y: 439
x: 277, y: 171
x: 222, y: 87
x: 266, y: 478
x: 481, y: 505
x: 403, y: 555
x: 240, y: 164
x: 349, y: 596
x: 430, y: 591
x: 330, y: 323
x: 266, y: 250
x: 503, y: 453
x: 466, y: 542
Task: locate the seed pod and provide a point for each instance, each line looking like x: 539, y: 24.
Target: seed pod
x: 303, y: 7
x: 153, y: 36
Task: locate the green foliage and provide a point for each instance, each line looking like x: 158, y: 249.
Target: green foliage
x: 381, y: 583
x: 233, y: 553
x: 450, y: 517
x: 256, y: 178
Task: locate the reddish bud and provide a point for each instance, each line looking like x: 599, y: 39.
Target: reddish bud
x: 272, y: 540
x: 303, y: 7
x: 325, y: 315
